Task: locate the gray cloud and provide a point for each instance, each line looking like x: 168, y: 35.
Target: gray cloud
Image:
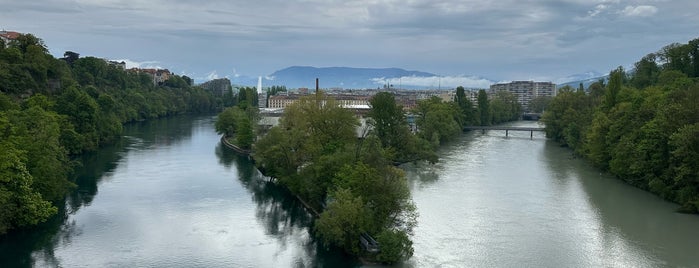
x: 500, y: 40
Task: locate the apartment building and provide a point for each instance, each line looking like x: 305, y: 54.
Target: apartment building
x: 525, y: 91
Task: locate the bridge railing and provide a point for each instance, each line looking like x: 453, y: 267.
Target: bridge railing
x: 506, y: 129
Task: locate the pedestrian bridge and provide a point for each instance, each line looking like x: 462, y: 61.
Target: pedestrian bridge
x: 506, y: 129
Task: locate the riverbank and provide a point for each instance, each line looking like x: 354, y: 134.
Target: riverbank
x: 248, y: 154
x: 225, y: 142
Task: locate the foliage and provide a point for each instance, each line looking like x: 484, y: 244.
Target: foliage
x: 395, y: 246
x: 53, y: 109
x: 390, y: 125
x: 438, y: 121
x: 483, y: 108
x: 504, y: 107
x: 314, y: 136
x: 343, y: 221
x: 468, y: 113
x: 315, y: 153
x: 642, y: 127
x: 20, y: 204
x: 539, y: 104
x: 238, y: 123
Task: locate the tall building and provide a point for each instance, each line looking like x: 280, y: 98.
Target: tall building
x: 261, y: 95
x: 218, y: 87
x: 525, y: 91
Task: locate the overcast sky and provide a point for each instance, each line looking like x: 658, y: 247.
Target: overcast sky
x: 495, y: 39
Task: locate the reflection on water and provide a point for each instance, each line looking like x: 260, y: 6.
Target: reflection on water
x: 496, y: 201
x: 168, y: 195
x: 281, y: 214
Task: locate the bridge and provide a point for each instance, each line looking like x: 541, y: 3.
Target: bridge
x: 506, y: 129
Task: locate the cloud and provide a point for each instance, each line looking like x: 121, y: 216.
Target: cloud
x: 435, y: 81
x: 598, y: 9
x: 494, y: 39
x: 212, y: 75
x: 639, y: 11
x: 140, y: 64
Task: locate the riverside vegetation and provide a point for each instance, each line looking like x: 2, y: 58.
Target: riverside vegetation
x: 52, y: 110
x: 642, y: 126
x: 354, y: 182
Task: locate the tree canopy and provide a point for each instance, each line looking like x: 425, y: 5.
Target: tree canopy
x: 641, y: 126
x: 52, y: 110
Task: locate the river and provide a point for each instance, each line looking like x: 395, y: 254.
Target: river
x: 168, y: 195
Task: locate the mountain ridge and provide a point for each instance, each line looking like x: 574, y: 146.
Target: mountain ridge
x: 299, y: 76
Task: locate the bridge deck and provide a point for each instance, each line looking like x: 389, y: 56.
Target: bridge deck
x: 506, y: 129
x: 503, y: 128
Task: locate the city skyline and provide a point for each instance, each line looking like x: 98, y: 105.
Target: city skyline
x: 463, y: 40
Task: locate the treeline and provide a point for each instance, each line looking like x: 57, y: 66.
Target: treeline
x: 52, y: 109
x: 643, y: 126
x: 499, y: 108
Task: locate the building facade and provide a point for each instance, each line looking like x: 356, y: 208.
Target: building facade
x: 218, y: 87
x: 8, y: 36
x: 526, y: 91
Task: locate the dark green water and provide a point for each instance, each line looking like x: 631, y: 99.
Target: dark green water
x: 169, y: 196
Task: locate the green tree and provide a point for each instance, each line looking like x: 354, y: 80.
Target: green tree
x: 343, y: 221
x: 483, y: 108
x: 468, y: 113
x: 645, y: 72
x: 684, y: 146
x: 70, y: 57
x: 83, y: 113
x: 616, y: 78
x: 20, y: 205
x: 540, y: 103
x: 395, y: 246
x: 504, y: 107
x: 437, y: 121
x: 37, y: 133
x: 391, y: 127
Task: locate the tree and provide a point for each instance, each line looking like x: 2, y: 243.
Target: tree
x: 20, y: 205
x: 226, y: 121
x: 395, y: 246
x: 437, y: 121
x: 504, y: 107
x: 70, y: 57
x: 319, y: 135
x: 37, y: 133
x: 483, y: 108
x: 464, y: 103
x: 245, y: 134
x: 83, y: 113
x: 646, y: 72
x: 540, y: 103
x: 390, y: 125
x: 343, y: 221
x: 616, y: 78
x: 684, y: 154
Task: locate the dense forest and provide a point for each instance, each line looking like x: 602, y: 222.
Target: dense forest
x: 642, y: 126
x: 52, y: 110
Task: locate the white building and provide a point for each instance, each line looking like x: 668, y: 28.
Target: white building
x: 525, y: 91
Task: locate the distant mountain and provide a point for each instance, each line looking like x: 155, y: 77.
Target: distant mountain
x: 339, y: 77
